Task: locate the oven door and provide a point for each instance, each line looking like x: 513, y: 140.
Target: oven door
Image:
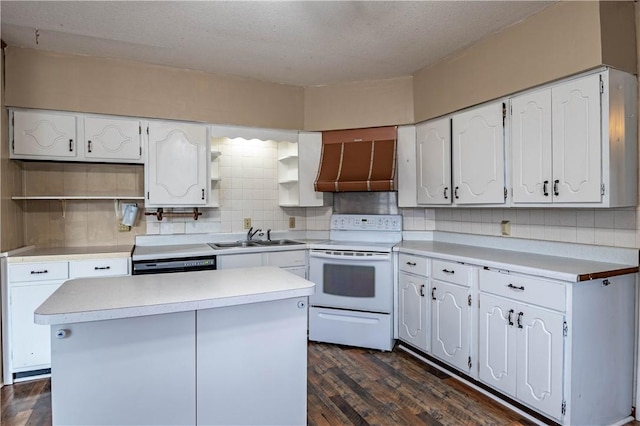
x: 355, y: 280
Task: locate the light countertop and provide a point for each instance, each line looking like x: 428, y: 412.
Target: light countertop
x: 554, y: 267
x: 91, y: 299
x: 52, y: 254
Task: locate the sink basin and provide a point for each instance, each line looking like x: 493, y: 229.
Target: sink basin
x: 277, y: 243
x: 233, y: 244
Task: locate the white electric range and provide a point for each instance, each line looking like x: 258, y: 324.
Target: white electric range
x: 353, y: 273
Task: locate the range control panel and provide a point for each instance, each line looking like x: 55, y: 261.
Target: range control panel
x: 374, y: 222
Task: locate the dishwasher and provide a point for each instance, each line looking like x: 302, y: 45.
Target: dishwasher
x: 172, y: 258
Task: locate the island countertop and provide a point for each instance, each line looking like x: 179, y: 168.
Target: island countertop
x: 95, y: 299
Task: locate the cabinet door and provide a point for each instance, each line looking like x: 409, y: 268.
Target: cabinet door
x: 540, y: 353
x: 478, y: 155
x: 112, y: 139
x: 433, y: 144
x: 450, y: 324
x: 576, y: 133
x: 30, y: 342
x: 412, y: 310
x: 497, y: 343
x: 176, y: 172
x: 531, y: 147
x: 42, y: 135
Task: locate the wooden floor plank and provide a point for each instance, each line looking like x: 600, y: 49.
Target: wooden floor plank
x: 346, y: 386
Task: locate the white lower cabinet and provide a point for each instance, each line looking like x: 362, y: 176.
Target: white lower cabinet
x: 413, y: 310
x: 413, y: 307
x: 294, y: 261
x: 27, y: 346
x: 521, y: 352
x: 451, y: 324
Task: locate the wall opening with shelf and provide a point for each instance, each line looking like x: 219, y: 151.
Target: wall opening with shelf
x: 87, y: 217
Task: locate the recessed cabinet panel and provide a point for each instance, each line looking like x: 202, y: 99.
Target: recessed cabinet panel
x: 413, y: 310
x: 531, y: 147
x: 478, y: 155
x: 540, y: 355
x: 577, y: 140
x: 177, y: 172
x: 497, y: 355
x: 433, y: 142
x: 109, y: 138
x: 44, y: 134
x: 450, y: 322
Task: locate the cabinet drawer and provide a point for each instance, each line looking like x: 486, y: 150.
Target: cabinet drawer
x: 98, y: 267
x: 286, y: 258
x: 526, y: 289
x: 414, y: 264
x: 451, y: 272
x: 38, y: 271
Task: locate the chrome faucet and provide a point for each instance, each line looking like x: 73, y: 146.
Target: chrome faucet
x: 250, y: 234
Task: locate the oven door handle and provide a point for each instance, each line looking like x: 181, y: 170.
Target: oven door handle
x: 376, y: 257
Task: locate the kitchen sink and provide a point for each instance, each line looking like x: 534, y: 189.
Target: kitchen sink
x: 233, y: 244
x: 277, y: 243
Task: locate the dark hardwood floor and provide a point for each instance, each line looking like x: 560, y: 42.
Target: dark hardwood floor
x: 346, y: 386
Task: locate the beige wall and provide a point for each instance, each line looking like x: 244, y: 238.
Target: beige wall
x: 40, y: 79
x: 618, y: 35
x: 559, y: 41
x: 78, y: 223
x: 357, y: 105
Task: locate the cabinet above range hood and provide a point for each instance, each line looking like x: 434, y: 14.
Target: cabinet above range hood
x: 357, y: 160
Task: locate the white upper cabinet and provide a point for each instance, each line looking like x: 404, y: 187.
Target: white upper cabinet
x: 406, y: 167
x: 574, y: 144
x: 42, y: 135
x: 309, y: 148
x: 576, y: 140
x: 478, y: 155
x: 177, y: 168
x: 433, y: 153
x: 62, y: 136
x: 112, y: 139
x: 531, y: 147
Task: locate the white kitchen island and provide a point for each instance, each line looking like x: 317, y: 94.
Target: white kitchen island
x: 208, y: 347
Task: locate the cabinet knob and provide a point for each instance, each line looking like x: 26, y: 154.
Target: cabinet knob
x: 62, y: 333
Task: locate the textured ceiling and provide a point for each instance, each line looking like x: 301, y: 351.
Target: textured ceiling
x: 302, y: 43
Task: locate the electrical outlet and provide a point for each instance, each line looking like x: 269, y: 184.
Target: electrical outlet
x: 505, y: 227
x: 292, y: 222
x: 123, y: 228
x: 247, y: 222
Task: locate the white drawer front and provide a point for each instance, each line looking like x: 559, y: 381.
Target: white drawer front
x: 44, y: 271
x: 286, y: 258
x: 98, y: 267
x: 413, y: 264
x: 548, y: 294
x: 451, y: 272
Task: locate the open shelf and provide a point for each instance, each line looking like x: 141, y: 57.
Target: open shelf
x: 77, y: 197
